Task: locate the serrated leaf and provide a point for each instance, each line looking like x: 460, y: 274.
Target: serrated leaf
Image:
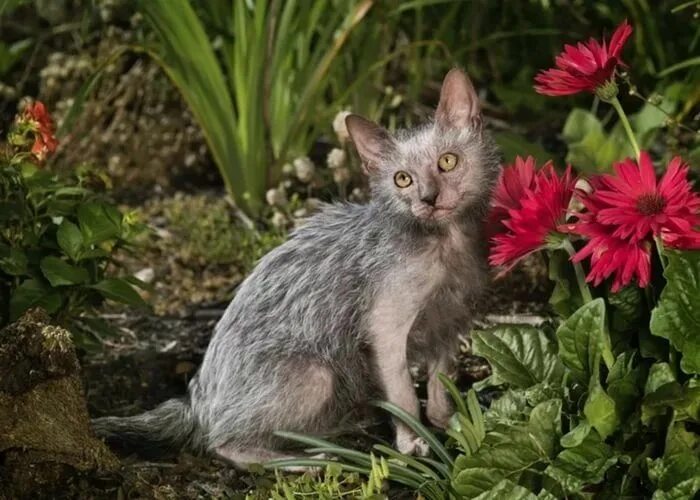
x: 521, y: 356
x: 582, y: 466
x: 600, y: 411
x: 60, y: 273
x: 507, y: 490
x: 583, y: 339
x: 120, y: 291
x: 70, y: 239
x: 677, y: 317
x: 33, y: 293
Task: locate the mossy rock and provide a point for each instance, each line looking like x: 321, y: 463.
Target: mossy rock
x: 46, y: 443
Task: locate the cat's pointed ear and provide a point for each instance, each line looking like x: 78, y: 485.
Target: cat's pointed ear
x: 459, y: 104
x: 371, y: 141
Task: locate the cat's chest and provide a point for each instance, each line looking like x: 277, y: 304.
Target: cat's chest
x: 444, y: 262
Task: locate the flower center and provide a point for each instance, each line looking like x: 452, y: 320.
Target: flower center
x: 650, y: 204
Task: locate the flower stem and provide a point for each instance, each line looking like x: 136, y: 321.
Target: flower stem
x: 660, y: 251
x: 580, y: 276
x: 626, y: 124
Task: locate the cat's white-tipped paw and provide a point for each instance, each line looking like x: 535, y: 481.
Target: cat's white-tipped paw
x: 412, y: 445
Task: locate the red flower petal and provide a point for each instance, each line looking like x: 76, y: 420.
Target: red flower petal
x: 584, y: 67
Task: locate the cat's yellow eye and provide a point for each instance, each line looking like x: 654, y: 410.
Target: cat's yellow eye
x: 402, y: 179
x: 447, y: 162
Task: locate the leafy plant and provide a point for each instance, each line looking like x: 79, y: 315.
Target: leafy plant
x: 57, y: 236
x: 251, y: 72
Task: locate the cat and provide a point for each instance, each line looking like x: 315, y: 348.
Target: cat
x: 334, y: 316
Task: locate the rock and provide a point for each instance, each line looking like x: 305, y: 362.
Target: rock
x: 46, y: 443
x: 147, y: 275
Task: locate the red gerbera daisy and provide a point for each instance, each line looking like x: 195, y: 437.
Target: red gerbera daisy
x: 44, y: 140
x: 510, y: 189
x: 636, y: 206
x: 533, y: 210
x: 626, y: 260
x: 623, y: 213
x: 585, y: 67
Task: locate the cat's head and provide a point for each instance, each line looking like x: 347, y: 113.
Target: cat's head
x: 437, y: 172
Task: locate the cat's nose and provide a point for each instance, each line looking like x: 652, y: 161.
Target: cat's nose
x: 429, y: 197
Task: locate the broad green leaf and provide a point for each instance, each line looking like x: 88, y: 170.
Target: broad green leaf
x: 600, y: 411
x: 512, y: 145
x: 521, y: 356
x: 576, y: 436
x: 507, y: 490
x: 624, y: 384
x: 668, y: 472
x: 583, y: 339
x: 120, y: 291
x: 685, y: 490
x: 566, y: 297
x: 70, y: 239
x: 627, y: 307
x: 582, y: 466
x: 32, y: 293
x: 677, y: 316
x: 13, y: 261
x: 99, y: 222
x: 510, y: 407
x: 659, y: 374
x: 60, y: 273
x: 684, y: 400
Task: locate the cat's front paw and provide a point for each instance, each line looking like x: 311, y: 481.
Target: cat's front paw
x: 410, y: 444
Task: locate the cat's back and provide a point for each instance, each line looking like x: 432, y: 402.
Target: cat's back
x: 316, y: 283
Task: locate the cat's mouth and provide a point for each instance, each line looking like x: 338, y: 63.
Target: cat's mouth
x: 434, y: 213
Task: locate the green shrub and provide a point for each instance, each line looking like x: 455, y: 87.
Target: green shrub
x: 57, y: 236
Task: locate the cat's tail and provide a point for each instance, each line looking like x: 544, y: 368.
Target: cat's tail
x: 163, y: 430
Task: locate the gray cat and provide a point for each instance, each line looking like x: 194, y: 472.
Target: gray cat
x: 334, y: 316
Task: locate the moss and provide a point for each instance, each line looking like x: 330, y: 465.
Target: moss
x: 45, y: 435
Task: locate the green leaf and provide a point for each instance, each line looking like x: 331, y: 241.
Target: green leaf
x: 512, y: 145
x: 600, y: 411
x: 677, y: 317
x: 582, y: 466
x: 99, y: 222
x: 583, y: 339
x: 13, y: 261
x: 684, y: 400
x: 590, y: 148
x: 627, y: 307
x: 521, y: 356
x: 60, y: 273
x: 507, y: 490
x: 33, y: 293
x: 509, y: 450
x: 70, y: 239
x: 624, y: 384
x: 566, y: 297
x: 576, y: 436
x: 120, y: 291
x: 659, y: 374
x: 669, y: 472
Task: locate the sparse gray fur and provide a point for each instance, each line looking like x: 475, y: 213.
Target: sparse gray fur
x: 334, y: 316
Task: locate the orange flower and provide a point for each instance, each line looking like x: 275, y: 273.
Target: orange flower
x: 44, y: 139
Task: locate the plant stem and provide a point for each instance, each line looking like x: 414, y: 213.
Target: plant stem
x: 626, y: 124
x: 580, y: 276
